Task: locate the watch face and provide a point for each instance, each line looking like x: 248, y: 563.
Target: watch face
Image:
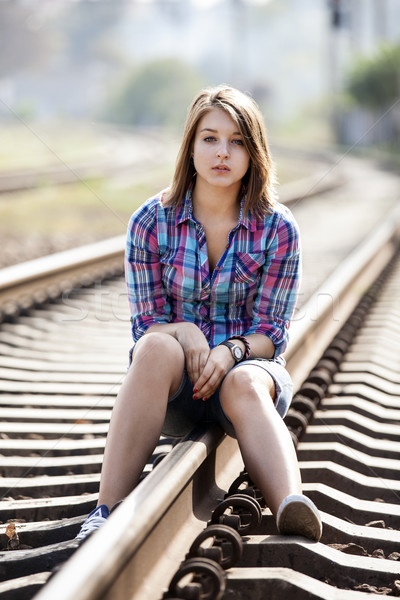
x: 237, y: 352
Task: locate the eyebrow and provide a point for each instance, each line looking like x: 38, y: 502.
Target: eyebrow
x: 216, y: 131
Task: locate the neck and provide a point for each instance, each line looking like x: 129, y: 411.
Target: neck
x: 216, y: 202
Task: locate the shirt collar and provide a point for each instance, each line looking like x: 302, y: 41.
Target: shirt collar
x: 185, y: 213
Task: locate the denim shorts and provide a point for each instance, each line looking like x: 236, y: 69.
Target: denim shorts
x: 184, y: 413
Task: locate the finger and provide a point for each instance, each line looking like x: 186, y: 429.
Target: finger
x: 201, y: 383
x: 202, y: 362
x: 203, y: 359
x: 209, y: 382
x: 193, y: 370
x: 196, y: 362
x: 208, y: 389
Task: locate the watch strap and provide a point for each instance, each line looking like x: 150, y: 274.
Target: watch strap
x: 231, y: 346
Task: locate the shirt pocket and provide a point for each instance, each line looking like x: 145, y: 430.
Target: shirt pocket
x: 248, y: 267
x: 246, y: 278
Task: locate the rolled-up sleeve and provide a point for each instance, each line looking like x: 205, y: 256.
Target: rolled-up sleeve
x: 277, y: 292
x: 147, y: 300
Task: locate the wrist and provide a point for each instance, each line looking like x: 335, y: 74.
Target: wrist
x: 233, y: 362
x: 244, y: 344
x: 237, y: 350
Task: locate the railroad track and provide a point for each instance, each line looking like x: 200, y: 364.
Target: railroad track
x: 60, y: 372
x: 133, y: 152
x: 123, y: 152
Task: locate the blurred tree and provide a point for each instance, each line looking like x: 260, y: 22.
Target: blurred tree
x: 375, y: 82
x: 158, y: 93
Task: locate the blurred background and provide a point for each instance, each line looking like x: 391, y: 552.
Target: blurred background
x: 93, y: 96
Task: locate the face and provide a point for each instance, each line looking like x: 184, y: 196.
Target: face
x: 219, y: 154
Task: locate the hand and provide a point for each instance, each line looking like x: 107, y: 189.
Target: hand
x: 219, y: 362
x: 195, y: 348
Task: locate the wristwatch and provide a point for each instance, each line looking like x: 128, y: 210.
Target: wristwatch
x: 236, y: 351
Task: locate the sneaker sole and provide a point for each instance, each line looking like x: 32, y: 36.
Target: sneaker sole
x: 297, y: 518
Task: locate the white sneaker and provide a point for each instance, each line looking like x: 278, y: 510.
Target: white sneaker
x: 93, y: 521
x: 297, y: 515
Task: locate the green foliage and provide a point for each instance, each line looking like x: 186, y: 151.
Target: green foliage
x: 375, y: 82
x: 157, y: 93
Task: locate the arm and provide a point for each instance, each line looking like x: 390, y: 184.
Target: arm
x: 272, y: 310
x: 147, y: 299
x: 220, y: 361
x: 150, y: 309
x: 276, y: 298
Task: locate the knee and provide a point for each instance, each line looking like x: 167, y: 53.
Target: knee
x: 157, y: 349
x: 244, y: 390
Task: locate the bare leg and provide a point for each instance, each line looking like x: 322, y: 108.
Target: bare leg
x: 265, y: 443
x: 139, y: 412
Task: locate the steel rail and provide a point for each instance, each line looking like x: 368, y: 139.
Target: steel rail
x: 323, y: 315
x: 59, y: 272
x: 73, y: 171
x: 136, y: 552
x: 18, y: 180
x: 14, y: 180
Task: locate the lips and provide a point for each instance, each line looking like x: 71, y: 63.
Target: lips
x: 221, y: 168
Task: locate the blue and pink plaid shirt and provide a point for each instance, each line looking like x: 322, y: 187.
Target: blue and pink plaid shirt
x: 253, y: 288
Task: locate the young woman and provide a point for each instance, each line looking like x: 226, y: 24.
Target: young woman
x: 212, y: 269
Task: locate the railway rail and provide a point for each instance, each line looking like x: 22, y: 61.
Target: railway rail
x: 131, y: 152
x: 117, y: 152
x: 59, y: 373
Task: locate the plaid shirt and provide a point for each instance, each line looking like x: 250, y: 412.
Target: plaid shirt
x: 252, y: 289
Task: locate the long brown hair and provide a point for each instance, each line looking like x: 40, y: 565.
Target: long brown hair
x: 259, y: 180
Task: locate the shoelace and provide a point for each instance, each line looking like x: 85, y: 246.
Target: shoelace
x: 93, y: 523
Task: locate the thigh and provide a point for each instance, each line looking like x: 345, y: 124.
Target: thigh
x: 261, y: 372
x: 243, y: 388
x: 283, y: 385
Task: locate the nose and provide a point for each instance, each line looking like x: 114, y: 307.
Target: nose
x: 223, y: 150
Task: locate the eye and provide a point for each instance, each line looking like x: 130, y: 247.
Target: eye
x: 237, y: 142
x: 209, y: 138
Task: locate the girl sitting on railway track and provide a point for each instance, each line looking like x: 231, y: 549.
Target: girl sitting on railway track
x: 212, y: 269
